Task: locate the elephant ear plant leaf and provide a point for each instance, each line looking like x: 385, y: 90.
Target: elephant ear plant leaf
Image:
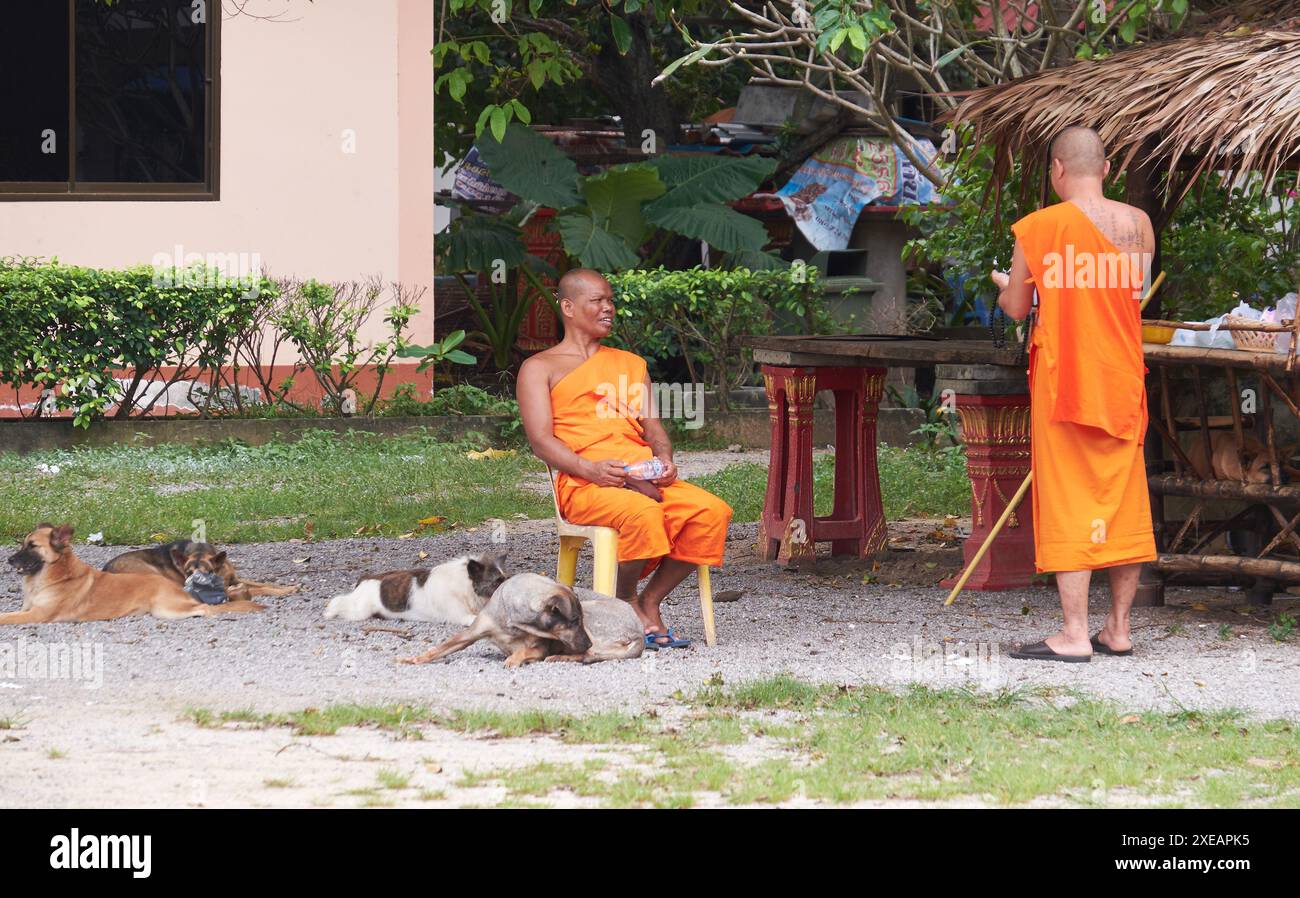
x: 529, y: 165
x: 604, y: 220
x: 491, y: 248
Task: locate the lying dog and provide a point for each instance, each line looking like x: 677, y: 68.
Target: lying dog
x: 1224, y: 463
x: 533, y: 618
x: 453, y: 592
x: 59, y: 586
x: 180, y: 560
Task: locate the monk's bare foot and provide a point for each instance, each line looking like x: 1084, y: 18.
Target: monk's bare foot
x: 1064, y: 645
x: 652, y: 621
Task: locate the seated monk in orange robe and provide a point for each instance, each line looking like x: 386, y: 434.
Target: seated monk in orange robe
x: 1088, y: 416
x: 585, y: 411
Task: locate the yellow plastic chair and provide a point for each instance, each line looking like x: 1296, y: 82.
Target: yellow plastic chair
x: 604, y: 546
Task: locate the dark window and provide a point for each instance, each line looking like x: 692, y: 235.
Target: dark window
x: 126, y: 89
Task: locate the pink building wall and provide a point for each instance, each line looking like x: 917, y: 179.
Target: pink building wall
x: 297, y: 91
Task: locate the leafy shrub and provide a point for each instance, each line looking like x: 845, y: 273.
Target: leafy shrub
x: 68, y: 329
x: 700, y: 315
x: 1229, y: 244
x: 460, y: 399
x: 324, y: 322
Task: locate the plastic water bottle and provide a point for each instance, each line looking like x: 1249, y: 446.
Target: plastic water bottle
x: 651, y: 469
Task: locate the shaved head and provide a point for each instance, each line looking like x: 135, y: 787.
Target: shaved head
x: 1080, y: 152
x: 578, y: 280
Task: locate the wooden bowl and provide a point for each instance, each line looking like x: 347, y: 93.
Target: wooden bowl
x: 1152, y: 334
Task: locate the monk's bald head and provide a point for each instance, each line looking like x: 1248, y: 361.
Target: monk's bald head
x: 578, y: 282
x: 586, y: 303
x: 1080, y: 152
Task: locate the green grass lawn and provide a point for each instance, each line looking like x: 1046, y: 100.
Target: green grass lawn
x: 837, y: 744
x: 341, y: 483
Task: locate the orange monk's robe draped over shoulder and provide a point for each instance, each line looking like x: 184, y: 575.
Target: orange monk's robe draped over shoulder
x: 1088, y: 409
x: 596, y: 409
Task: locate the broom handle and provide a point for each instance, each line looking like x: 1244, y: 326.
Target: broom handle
x: 1020, y: 493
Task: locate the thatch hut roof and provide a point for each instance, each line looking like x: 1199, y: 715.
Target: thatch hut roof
x: 1209, y: 103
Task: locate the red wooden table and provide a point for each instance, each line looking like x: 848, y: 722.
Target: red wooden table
x: 992, y: 403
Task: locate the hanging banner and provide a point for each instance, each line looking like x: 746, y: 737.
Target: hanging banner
x: 832, y: 187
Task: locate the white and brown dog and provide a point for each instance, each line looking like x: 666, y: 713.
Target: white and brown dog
x: 454, y: 592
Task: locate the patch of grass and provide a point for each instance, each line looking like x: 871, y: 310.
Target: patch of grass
x: 13, y: 722
x: 402, y: 719
x: 246, y: 493
x: 393, y: 779
x: 432, y: 795
x: 272, y: 492
x: 279, y: 783
x: 1281, y: 628
x: 55, y: 754
x: 1225, y: 632
x: 602, y: 727
x: 843, y: 745
x: 913, y: 481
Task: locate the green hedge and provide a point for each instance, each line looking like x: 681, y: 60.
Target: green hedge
x: 700, y: 315
x: 73, y: 329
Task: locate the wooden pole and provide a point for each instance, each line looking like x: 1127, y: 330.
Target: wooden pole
x: 1020, y: 493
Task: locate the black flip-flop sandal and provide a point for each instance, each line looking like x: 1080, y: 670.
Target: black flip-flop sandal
x: 1101, y: 648
x: 1041, y: 651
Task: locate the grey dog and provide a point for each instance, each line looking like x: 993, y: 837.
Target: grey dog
x: 533, y: 618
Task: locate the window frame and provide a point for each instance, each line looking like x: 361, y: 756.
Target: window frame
x: 144, y: 191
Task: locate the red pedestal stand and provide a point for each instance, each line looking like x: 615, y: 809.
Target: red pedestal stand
x: 995, y: 430
x: 788, y: 529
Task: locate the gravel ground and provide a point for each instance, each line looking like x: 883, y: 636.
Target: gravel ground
x: 126, y: 742
x: 820, y: 627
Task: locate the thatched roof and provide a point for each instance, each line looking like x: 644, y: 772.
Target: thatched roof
x: 1210, y: 103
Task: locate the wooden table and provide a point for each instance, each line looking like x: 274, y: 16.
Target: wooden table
x: 989, y: 390
x: 990, y: 395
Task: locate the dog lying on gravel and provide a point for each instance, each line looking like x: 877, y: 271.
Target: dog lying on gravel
x: 533, y: 618
x: 180, y: 560
x: 453, y: 592
x: 59, y: 586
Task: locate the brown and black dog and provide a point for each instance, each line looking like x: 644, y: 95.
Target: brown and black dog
x: 177, y: 560
x: 59, y: 586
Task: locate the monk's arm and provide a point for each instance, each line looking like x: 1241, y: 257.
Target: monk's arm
x: 656, y: 435
x: 534, y: 396
x: 1017, y: 295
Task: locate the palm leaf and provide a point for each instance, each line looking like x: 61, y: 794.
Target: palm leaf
x: 1203, y: 103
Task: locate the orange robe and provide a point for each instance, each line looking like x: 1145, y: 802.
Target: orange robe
x: 1088, y: 409
x: 597, y: 409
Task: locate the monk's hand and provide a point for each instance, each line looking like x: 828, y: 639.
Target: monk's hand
x: 607, y: 473
x: 669, y: 475
x: 1001, y: 279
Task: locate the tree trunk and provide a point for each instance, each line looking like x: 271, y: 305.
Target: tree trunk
x: 625, y: 81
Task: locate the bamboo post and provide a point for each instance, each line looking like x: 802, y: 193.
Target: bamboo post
x: 1024, y: 488
x: 1167, y: 407
x: 1238, y: 434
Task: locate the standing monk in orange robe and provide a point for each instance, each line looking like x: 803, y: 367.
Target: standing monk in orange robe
x: 587, y: 413
x: 1088, y: 415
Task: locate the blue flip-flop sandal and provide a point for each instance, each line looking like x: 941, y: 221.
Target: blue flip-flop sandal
x: 674, y: 641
